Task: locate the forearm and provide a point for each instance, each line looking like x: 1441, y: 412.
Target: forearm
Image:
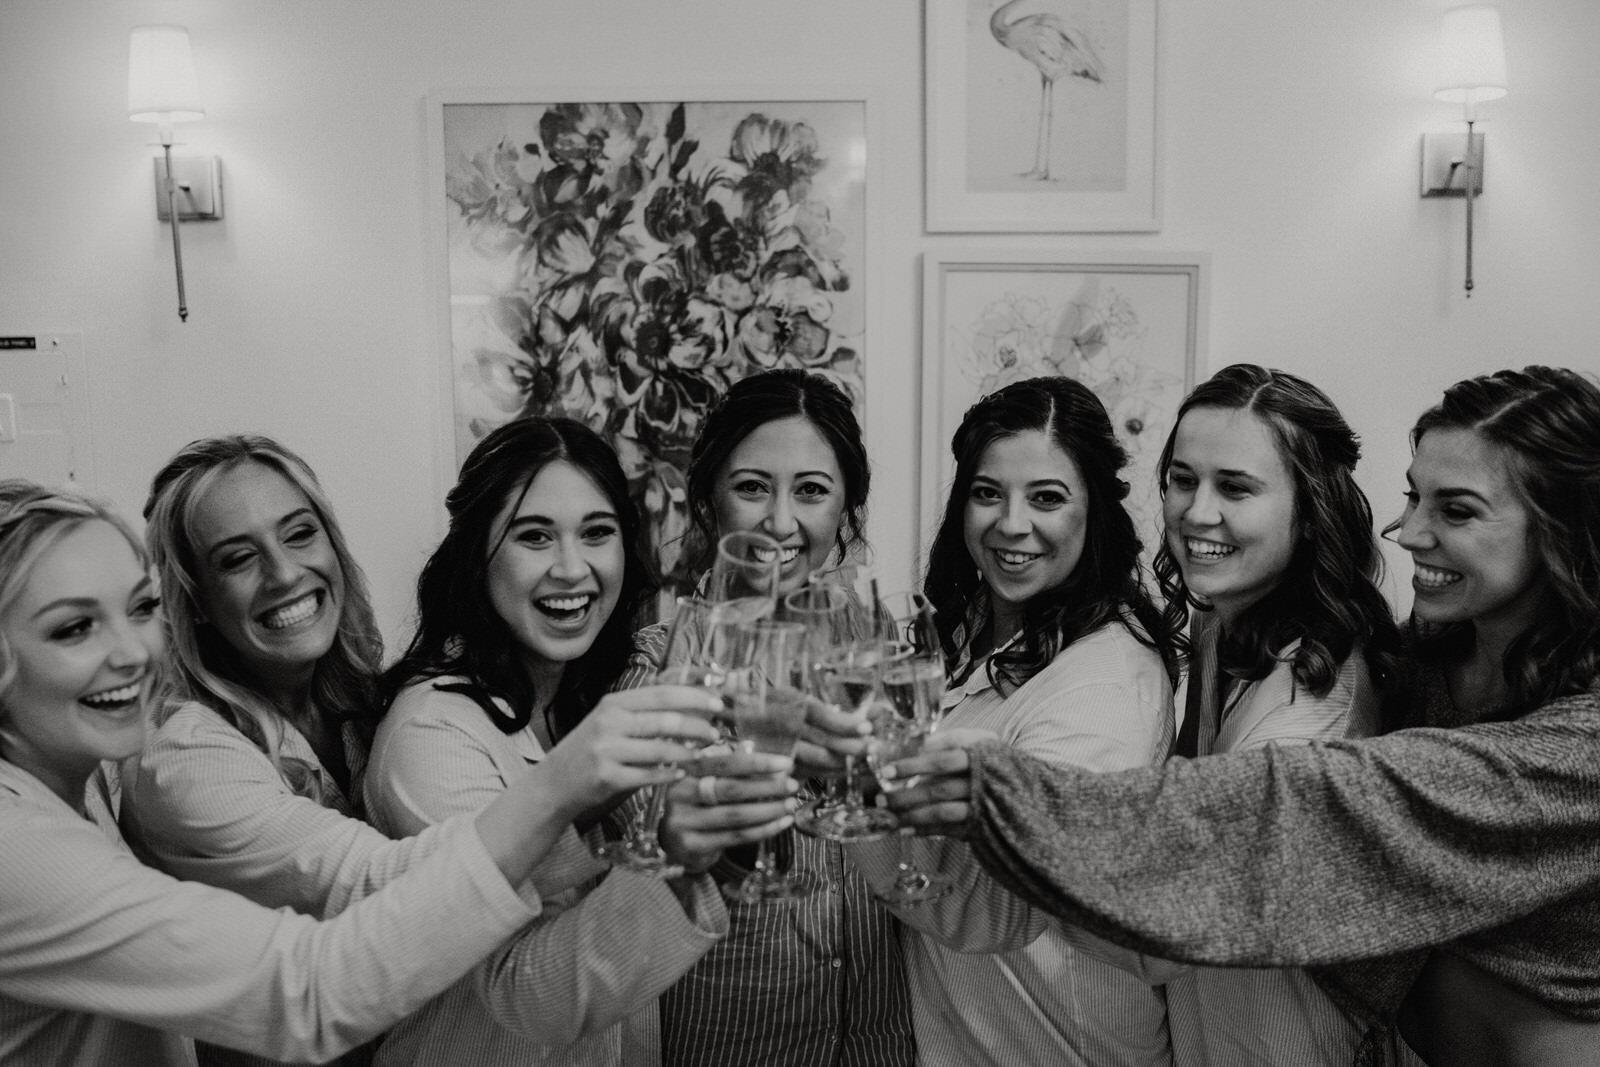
x: 1395, y: 843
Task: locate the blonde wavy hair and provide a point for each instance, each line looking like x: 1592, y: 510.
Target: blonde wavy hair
x: 204, y: 667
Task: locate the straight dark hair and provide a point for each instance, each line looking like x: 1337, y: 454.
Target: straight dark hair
x: 1328, y: 598
x: 459, y: 632
x: 1107, y: 584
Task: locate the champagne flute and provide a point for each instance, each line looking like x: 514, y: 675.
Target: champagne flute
x: 852, y: 677
x: 766, y: 701
x: 698, y: 652
x: 748, y: 566
x: 834, y: 619
x: 914, y: 684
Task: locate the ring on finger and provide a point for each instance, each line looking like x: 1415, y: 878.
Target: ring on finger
x: 707, y: 790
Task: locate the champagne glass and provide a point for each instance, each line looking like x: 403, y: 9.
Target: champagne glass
x: 835, y: 620
x: 852, y: 677
x: 748, y: 567
x: 699, y: 650
x: 766, y: 698
x: 914, y: 684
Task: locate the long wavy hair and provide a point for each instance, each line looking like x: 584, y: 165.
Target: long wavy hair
x: 33, y: 520
x: 1546, y: 422
x: 752, y: 403
x: 460, y: 633
x: 205, y: 668
x: 1106, y: 585
x: 1328, y: 598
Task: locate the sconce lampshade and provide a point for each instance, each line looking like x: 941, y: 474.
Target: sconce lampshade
x: 1472, y: 56
x: 162, y: 86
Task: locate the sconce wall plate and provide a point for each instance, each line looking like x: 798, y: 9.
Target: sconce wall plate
x: 199, y: 187
x: 1443, y: 164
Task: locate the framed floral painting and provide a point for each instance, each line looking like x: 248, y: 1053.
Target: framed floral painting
x: 1042, y: 115
x: 623, y: 260
x: 1132, y: 327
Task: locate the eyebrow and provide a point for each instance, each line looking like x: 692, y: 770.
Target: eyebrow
x: 545, y: 520
x: 85, y: 603
x: 768, y: 474
x: 1057, y: 482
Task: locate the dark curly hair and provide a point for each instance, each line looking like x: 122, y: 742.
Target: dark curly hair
x: 459, y: 632
x: 1328, y: 598
x: 752, y: 403
x: 1107, y: 583
x: 1546, y: 421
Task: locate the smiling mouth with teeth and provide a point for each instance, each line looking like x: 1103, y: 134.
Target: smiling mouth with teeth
x: 785, y: 555
x: 1426, y: 577
x: 564, y: 607
x: 1015, y: 559
x: 1206, y: 550
x: 113, y: 699
x: 292, y: 613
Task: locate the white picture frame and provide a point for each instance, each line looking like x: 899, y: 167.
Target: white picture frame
x: 636, y: 333
x: 986, y: 88
x: 1130, y: 325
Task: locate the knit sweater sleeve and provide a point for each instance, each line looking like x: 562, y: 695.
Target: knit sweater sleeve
x: 1304, y: 855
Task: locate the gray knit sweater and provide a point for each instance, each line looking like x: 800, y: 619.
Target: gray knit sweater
x: 1482, y: 840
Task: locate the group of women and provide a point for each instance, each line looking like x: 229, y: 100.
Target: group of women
x: 1233, y: 815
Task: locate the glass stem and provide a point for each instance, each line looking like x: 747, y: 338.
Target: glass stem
x: 647, y: 823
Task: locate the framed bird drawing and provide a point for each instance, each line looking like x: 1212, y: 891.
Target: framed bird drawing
x: 1043, y: 115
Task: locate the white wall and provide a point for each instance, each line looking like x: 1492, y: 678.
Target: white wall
x: 1291, y: 144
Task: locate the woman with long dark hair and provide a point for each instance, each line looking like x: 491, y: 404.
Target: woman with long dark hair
x: 818, y: 980
x: 1440, y: 878
x: 523, y: 624
x: 1052, y: 644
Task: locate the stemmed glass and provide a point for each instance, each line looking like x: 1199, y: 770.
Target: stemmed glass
x: 914, y: 684
x: 766, y: 699
x: 741, y: 588
x: 748, y: 568
x: 852, y: 677
x: 835, y: 620
x: 699, y: 649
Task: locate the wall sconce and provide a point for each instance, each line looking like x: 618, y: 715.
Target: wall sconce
x: 1472, y: 69
x: 162, y: 88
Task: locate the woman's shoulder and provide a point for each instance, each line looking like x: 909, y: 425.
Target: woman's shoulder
x: 1109, y: 656
x: 445, y: 698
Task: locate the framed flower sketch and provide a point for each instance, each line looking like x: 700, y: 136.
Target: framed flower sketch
x: 1042, y: 115
x: 1131, y: 327
x: 623, y: 258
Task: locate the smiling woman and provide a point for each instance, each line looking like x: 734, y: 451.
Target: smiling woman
x: 1052, y: 643
x: 523, y: 623
x: 104, y: 960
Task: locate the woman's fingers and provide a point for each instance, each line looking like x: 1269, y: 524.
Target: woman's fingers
x: 947, y: 819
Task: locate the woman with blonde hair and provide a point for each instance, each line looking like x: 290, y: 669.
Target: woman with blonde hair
x: 104, y: 960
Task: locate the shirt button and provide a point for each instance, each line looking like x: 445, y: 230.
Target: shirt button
x: 837, y: 964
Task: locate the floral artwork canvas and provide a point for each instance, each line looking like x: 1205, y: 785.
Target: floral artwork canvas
x: 623, y: 263
x: 1130, y: 331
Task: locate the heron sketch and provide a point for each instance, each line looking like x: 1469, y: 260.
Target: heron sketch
x: 1057, y: 50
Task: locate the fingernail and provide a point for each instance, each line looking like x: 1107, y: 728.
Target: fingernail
x: 792, y: 804
x: 791, y: 785
x: 678, y: 773
x: 714, y: 703
x: 907, y: 831
x: 886, y: 773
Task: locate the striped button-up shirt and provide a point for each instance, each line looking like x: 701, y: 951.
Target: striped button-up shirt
x: 813, y: 983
